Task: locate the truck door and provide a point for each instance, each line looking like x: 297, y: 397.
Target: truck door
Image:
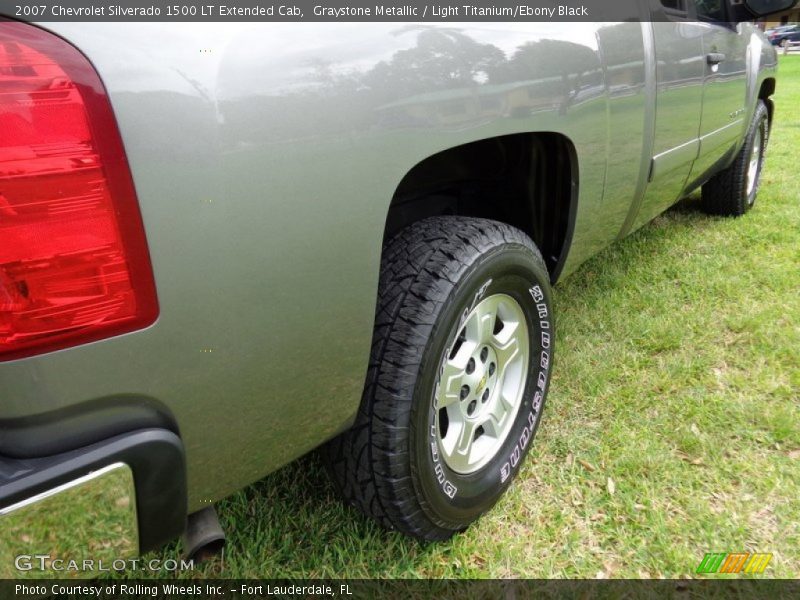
x: 679, y: 65
x: 724, y: 87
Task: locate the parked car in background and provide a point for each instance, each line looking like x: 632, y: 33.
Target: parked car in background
x: 338, y: 234
x: 781, y: 35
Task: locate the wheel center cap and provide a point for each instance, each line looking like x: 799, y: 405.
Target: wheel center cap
x: 482, y: 382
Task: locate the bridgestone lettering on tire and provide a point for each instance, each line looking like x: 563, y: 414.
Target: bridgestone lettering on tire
x: 459, y: 371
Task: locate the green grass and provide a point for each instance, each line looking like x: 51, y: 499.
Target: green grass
x: 100, y: 525
x: 677, y: 377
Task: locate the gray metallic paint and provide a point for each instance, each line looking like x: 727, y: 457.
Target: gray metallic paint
x: 265, y: 157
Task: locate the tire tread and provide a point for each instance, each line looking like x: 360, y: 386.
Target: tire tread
x: 725, y: 194
x: 420, y: 268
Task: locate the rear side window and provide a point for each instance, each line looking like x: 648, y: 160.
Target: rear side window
x: 676, y: 8
x: 710, y: 10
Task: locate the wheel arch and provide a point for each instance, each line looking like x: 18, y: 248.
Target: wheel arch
x: 765, y: 93
x: 526, y: 180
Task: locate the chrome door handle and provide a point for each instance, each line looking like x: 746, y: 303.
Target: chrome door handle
x: 714, y: 58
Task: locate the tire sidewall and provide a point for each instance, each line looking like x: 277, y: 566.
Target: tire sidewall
x: 450, y: 499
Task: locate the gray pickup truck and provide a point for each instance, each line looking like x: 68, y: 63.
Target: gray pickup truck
x: 223, y: 246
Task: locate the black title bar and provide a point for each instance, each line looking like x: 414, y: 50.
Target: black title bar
x: 324, y: 11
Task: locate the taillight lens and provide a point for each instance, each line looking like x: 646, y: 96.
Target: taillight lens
x: 74, y: 265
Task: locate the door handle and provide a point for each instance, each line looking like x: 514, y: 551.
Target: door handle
x: 714, y: 58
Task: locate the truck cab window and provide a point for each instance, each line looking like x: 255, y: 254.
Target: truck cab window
x: 676, y: 8
x: 710, y: 10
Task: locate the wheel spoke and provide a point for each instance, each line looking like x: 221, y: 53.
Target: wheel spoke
x: 487, y: 312
x: 457, y: 446
x: 508, y: 351
x: 449, y: 391
x: 480, y: 325
x: 465, y: 440
x: 498, y: 410
x: 493, y: 424
x: 502, y: 404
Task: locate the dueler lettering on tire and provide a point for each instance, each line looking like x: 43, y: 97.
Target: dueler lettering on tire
x: 460, y: 365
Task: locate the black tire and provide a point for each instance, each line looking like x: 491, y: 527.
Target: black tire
x: 727, y: 192
x: 432, y: 274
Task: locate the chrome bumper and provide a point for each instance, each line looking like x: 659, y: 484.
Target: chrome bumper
x: 68, y: 530
x: 93, y: 508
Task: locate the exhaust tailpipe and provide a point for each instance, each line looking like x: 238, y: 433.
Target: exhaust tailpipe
x: 204, y: 538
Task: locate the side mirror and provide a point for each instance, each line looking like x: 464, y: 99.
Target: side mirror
x: 747, y: 10
x: 762, y: 8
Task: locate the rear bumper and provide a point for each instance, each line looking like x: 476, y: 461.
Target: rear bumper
x: 110, y: 500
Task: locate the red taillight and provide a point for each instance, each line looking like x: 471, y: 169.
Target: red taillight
x: 74, y: 265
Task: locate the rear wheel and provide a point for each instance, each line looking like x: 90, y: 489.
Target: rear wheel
x: 732, y: 192
x: 457, y: 380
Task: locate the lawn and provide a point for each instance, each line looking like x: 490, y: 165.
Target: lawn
x: 672, y: 427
